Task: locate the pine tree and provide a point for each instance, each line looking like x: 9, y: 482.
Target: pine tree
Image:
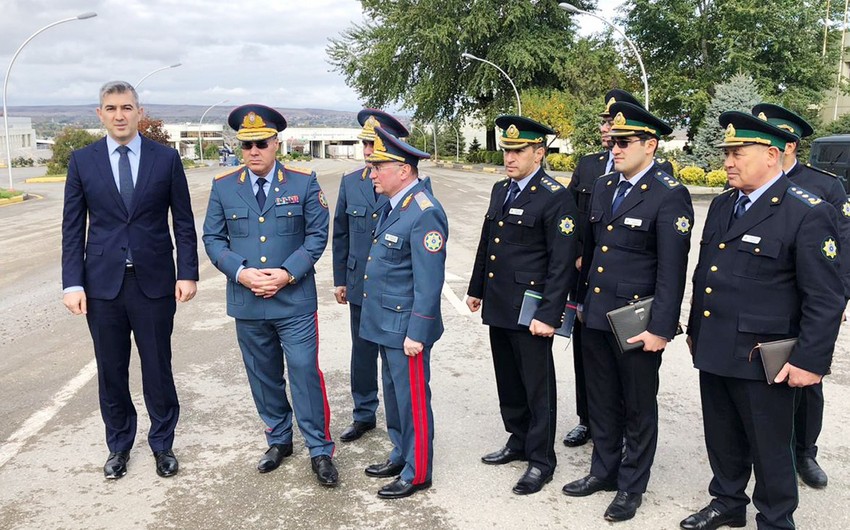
x: 739, y: 93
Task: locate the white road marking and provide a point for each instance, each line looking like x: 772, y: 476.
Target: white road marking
x: 37, y: 421
x: 456, y: 302
x: 483, y: 197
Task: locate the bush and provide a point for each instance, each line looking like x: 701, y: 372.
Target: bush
x: 677, y: 167
x: 716, y: 178
x: 692, y: 175
x: 188, y: 163
x: 560, y: 162
x: 22, y: 162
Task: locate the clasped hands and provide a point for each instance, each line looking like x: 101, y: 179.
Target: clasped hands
x: 264, y: 282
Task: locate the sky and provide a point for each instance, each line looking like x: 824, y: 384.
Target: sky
x: 250, y: 51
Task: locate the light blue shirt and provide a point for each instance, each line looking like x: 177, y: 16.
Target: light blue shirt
x: 256, y: 187
x: 633, y: 181
x: 133, y: 154
x: 395, y: 199
x: 758, y: 192
x: 522, y: 183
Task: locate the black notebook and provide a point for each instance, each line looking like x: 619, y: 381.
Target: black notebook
x: 628, y: 321
x: 774, y: 355
x: 531, y: 301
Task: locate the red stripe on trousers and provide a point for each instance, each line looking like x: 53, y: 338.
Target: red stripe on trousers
x: 420, y: 417
x: 327, y: 405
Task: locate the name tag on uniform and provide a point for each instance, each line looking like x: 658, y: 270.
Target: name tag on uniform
x: 515, y: 211
x: 631, y: 221
x: 751, y: 239
x: 391, y: 238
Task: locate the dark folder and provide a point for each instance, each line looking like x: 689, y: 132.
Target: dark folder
x: 630, y: 320
x: 774, y: 355
x: 531, y: 301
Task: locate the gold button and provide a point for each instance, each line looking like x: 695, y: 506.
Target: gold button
x: 519, y: 222
x: 708, y: 290
x: 374, y: 241
x: 721, y: 246
x: 262, y: 239
x: 497, y: 240
x: 706, y: 314
x: 600, y: 269
x: 604, y: 248
x: 534, y: 188
x: 501, y: 223
x: 374, y: 216
x: 365, y: 276
x: 234, y: 216
x: 290, y: 213
x: 532, y: 282
x: 262, y: 219
x: 714, y: 268
x: 262, y: 259
x: 398, y: 308
x: 492, y: 258
x: 369, y: 258
x: 636, y: 297
x: 355, y: 211
x: 757, y: 250
x: 597, y: 290
x: 364, y: 295
x: 610, y: 228
x: 490, y: 275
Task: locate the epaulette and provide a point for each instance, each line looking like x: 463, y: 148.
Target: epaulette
x: 230, y: 172
x: 667, y: 180
x: 804, y: 196
x: 659, y: 160
x: 423, y: 201
x: 819, y: 170
x: 550, y: 184
x: 606, y: 175
x: 302, y: 170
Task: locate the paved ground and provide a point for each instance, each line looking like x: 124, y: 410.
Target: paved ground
x: 52, y: 435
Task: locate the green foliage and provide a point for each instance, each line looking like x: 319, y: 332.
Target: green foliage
x: 22, y: 162
x: 739, y: 93
x: 692, y: 175
x: 716, y: 178
x: 188, y: 163
x: 486, y: 157
x: 8, y: 194
x: 561, y: 162
x: 66, y: 142
x: 210, y: 151
x: 474, y: 146
x: 585, y: 138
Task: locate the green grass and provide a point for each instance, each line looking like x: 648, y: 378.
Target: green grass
x: 6, y: 194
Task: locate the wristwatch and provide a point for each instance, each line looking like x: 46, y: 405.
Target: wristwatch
x: 291, y: 278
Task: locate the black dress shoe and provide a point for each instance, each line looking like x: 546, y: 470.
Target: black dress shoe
x: 385, y: 470
x: 166, y: 463
x: 325, y: 470
x: 623, y: 507
x: 811, y: 473
x: 580, y: 435
x: 272, y: 458
x: 356, y: 430
x: 531, y: 481
x: 587, y: 486
x: 709, y: 518
x: 400, y: 488
x: 503, y: 456
x: 116, y: 465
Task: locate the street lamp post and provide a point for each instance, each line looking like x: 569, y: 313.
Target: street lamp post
x: 457, y: 142
x: 200, y: 124
x: 494, y: 65
x: 573, y: 9
x: 175, y: 65
x: 82, y: 16
x: 434, y: 127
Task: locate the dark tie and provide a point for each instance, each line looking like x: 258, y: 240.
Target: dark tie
x: 622, y: 188
x: 385, y: 213
x: 740, y: 209
x: 513, y: 191
x: 261, y: 192
x: 125, y: 176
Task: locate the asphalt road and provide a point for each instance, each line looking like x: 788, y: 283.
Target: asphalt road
x: 51, y: 433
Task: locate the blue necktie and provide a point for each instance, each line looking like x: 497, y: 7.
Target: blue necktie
x: 261, y: 192
x: 622, y: 188
x: 740, y: 209
x: 125, y: 176
x: 513, y: 191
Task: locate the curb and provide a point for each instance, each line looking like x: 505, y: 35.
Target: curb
x: 13, y: 200
x: 36, y: 180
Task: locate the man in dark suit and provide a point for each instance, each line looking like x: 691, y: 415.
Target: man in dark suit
x: 636, y: 245
x: 528, y: 242
x: 265, y: 229
x: 357, y: 209
x: 119, y: 270
x: 588, y: 169
x: 768, y: 270
x: 808, y: 418
x: 402, y: 286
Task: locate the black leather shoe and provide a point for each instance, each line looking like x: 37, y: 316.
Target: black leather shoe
x: 116, y: 465
x: 400, y: 488
x: 623, y: 507
x: 531, y: 481
x: 325, y: 470
x: 811, y: 473
x: 385, y: 470
x: 587, y: 486
x: 709, y: 518
x: 166, y: 463
x: 503, y: 456
x: 356, y: 430
x: 271, y: 460
x: 579, y: 436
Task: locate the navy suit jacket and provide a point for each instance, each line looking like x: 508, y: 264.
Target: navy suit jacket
x: 95, y: 259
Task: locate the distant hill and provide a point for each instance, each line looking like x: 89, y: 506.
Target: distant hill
x: 48, y: 120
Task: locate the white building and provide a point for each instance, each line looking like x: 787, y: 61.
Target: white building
x: 322, y: 142
x: 184, y: 136
x: 21, y: 138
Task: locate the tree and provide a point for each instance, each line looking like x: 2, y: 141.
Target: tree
x: 475, y: 146
x: 689, y: 46
x: 210, y: 151
x: 66, y: 142
x: 152, y: 129
x: 739, y: 93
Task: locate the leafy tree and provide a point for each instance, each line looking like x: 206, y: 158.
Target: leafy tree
x: 152, y: 129
x: 739, y: 93
x: 689, y: 46
x: 64, y: 143
x: 210, y: 150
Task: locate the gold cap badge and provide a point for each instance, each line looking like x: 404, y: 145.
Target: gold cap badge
x: 619, y: 119
x: 730, y: 131
x: 512, y: 132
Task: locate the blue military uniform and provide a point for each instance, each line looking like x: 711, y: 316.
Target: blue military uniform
x: 636, y: 250
x: 402, y: 286
x: 288, y: 231
x: 357, y: 211
x: 767, y: 274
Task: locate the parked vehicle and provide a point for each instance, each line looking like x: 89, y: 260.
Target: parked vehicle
x: 832, y: 153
